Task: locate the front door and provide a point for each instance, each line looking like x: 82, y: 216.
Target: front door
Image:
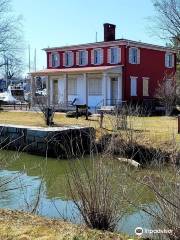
x: 114, y: 91
x: 55, y: 92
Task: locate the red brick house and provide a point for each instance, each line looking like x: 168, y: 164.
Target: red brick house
x: 107, y: 72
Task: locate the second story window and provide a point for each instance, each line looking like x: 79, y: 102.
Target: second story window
x: 82, y: 58
x: 134, y: 55
x: 97, y: 56
x: 169, y: 60
x: 55, y: 59
x: 114, y: 55
x: 68, y: 59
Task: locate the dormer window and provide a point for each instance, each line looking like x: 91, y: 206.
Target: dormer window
x: 55, y: 60
x: 134, y: 55
x: 114, y: 55
x: 97, y: 56
x: 82, y: 58
x: 169, y: 60
x: 68, y: 59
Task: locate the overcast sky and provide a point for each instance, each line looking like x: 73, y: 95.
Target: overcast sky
x: 64, y: 22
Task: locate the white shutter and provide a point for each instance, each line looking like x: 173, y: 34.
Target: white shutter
x: 64, y: 64
x: 166, y: 60
x: 118, y: 55
x: 101, y: 56
x: 71, y: 58
x: 109, y: 55
x: 138, y: 56
x: 92, y: 56
x: 58, y: 64
x: 77, y: 58
x: 50, y: 59
x: 86, y: 61
x: 130, y: 55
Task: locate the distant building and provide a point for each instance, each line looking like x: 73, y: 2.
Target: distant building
x: 107, y: 72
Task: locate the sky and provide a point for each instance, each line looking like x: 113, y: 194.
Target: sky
x: 52, y: 23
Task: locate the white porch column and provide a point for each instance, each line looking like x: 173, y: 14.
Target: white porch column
x: 120, y: 87
x: 104, y: 87
x: 48, y: 90
x: 85, y: 93
x: 65, y: 88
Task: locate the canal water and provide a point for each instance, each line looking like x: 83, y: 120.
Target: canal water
x: 24, y: 174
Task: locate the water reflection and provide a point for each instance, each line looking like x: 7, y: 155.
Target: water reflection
x: 28, y: 171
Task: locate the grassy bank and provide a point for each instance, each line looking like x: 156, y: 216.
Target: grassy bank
x: 158, y: 129
x: 24, y: 226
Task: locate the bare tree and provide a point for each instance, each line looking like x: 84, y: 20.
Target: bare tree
x: 166, y: 93
x: 11, y: 43
x: 13, y: 66
x: 167, y: 21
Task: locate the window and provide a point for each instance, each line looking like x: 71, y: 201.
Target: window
x: 145, y: 86
x: 114, y: 55
x: 72, y: 86
x: 97, y: 56
x: 133, y: 86
x: 169, y: 60
x: 82, y: 57
x: 95, y: 87
x: 68, y: 59
x: 55, y: 60
x: 134, y: 55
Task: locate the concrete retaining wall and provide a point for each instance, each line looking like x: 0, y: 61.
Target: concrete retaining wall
x: 61, y: 142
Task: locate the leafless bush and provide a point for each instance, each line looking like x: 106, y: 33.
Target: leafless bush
x: 165, y: 211
x: 166, y: 93
x: 162, y: 182
x: 47, y: 111
x: 94, y: 191
x: 124, y: 116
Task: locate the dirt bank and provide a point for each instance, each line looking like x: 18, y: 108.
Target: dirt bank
x: 18, y: 225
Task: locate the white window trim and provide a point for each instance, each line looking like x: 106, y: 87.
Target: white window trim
x: 166, y: 55
x: 72, y: 58
x: 86, y: 58
x: 101, y: 56
x: 138, y: 55
x: 118, y: 55
x: 145, y: 78
x: 133, y: 78
x: 51, y: 62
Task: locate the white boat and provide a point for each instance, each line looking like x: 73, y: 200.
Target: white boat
x: 7, y: 97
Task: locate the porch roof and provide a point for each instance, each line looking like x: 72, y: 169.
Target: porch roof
x: 46, y: 72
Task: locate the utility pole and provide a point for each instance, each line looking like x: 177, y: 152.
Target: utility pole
x: 6, y: 69
x: 29, y: 53
x: 35, y: 59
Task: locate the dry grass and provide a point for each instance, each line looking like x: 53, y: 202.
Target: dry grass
x: 158, y: 129
x: 23, y: 226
